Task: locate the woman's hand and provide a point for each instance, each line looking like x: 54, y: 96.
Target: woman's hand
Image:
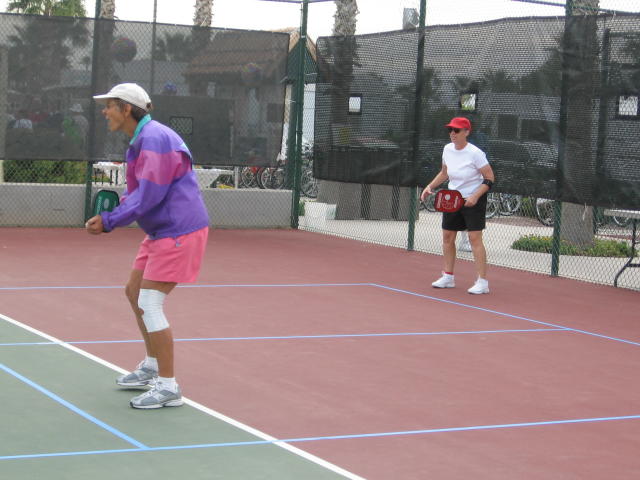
x: 470, y: 201
x: 426, y: 192
x: 94, y: 225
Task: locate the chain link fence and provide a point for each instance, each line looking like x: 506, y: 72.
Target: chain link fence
x: 560, y: 132
x: 553, y: 100
x: 222, y: 90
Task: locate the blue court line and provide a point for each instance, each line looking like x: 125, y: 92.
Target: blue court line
x: 73, y: 408
x: 295, y: 337
x: 495, y: 312
x: 330, y: 437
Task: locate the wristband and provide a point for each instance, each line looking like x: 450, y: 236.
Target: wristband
x: 488, y: 183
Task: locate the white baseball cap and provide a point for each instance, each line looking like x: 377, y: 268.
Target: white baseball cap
x: 129, y: 92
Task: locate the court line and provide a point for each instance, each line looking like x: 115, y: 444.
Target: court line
x: 385, y: 287
x: 503, y: 314
x: 235, y: 423
x: 334, y: 437
x: 275, y: 285
x: 295, y: 337
x: 73, y: 408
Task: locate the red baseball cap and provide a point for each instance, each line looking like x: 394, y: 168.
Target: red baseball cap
x: 459, y: 122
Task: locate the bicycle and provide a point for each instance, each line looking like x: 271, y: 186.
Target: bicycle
x: 505, y: 204
x: 278, y: 177
x: 545, y: 211
x: 250, y: 177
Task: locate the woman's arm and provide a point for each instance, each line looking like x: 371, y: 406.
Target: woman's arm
x: 435, y: 183
x: 487, y: 174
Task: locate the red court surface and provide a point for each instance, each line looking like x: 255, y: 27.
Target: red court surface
x: 301, y: 335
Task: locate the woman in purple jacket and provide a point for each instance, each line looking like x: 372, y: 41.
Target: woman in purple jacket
x: 164, y: 198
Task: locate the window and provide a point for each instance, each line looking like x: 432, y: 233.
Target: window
x: 355, y: 105
x: 469, y: 102
x: 627, y: 106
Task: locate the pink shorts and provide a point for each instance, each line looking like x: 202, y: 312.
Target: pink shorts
x: 171, y: 259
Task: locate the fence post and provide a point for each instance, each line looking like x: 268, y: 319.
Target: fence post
x: 299, y: 105
x: 564, y: 93
x: 417, y: 126
x: 92, y: 113
x: 4, y: 82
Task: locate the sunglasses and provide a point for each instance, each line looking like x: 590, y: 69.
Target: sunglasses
x: 454, y: 130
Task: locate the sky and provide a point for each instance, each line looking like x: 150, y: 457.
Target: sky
x: 375, y: 15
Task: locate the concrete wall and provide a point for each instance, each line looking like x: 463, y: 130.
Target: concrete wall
x: 50, y: 205
x: 366, y: 201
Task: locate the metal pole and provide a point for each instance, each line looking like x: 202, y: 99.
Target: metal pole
x: 299, y: 105
x: 564, y: 93
x: 417, y: 126
x: 91, y: 143
x: 153, y: 48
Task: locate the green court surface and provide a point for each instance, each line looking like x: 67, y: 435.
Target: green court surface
x: 64, y: 418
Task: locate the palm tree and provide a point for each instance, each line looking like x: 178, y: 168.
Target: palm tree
x: 344, y: 28
x: 48, y: 8
x: 581, y: 75
x: 40, y: 49
x: 343, y: 52
x: 108, y: 9
x: 345, y: 17
x: 203, y: 13
x: 499, y: 81
x: 200, y: 38
x: 176, y: 47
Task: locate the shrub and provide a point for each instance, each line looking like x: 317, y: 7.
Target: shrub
x: 44, y: 171
x: 601, y: 248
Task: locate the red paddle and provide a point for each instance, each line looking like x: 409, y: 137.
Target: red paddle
x: 448, y: 201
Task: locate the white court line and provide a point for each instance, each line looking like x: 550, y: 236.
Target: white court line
x: 296, y: 451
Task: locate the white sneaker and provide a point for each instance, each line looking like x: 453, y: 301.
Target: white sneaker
x: 445, y: 281
x: 481, y: 286
x: 157, y: 398
x: 463, y: 244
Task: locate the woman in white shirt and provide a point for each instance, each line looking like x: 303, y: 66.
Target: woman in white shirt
x: 468, y: 171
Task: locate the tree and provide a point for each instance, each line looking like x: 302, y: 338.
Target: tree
x: 108, y: 9
x: 581, y: 77
x: 203, y: 13
x: 48, y: 8
x: 175, y: 48
x: 344, y: 46
x: 430, y: 84
x: 199, y: 40
x: 40, y: 49
x: 545, y: 80
x: 345, y: 17
x: 499, y: 81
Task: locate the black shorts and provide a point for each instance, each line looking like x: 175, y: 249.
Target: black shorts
x: 467, y: 218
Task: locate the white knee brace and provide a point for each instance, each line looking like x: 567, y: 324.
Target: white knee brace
x: 150, y: 302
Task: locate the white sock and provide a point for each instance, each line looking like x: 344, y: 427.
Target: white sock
x: 150, y: 362
x: 165, y: 383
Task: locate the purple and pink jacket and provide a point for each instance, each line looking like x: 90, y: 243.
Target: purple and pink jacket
x: 162, y: 192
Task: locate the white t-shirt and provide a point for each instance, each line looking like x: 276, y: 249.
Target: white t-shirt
x: 463, y: 167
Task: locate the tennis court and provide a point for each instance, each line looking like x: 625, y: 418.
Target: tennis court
x: 312, y: 357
